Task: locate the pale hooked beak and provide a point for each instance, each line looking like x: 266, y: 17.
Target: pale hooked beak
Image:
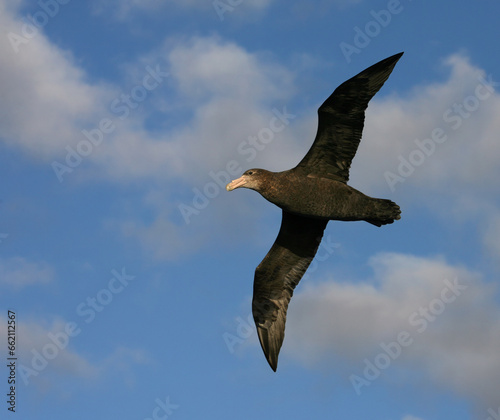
x: 236, y: 183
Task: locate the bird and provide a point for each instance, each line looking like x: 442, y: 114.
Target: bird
x: 310, y: 195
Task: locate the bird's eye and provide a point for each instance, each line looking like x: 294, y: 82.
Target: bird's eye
x: 249, y: 172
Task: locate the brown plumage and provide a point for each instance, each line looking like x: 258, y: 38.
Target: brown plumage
x: 310, y: 195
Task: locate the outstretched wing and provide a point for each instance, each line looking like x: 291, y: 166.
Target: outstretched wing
x: 340, y: 122
x: 278, y: 274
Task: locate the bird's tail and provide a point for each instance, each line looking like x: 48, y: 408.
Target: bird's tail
x: 384, y: 212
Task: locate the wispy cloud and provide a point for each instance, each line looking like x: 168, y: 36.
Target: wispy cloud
x: 122, y: 362
x: 44, y: 353
x: 48, y: 354
x: 18, y: 272
x: 124, y: 10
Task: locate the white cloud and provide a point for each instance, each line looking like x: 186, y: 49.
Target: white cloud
x: 45, y: 97
x: 47, y: 100
x: 454, y: 342
x: 209, y: 66
x: 18, y: 272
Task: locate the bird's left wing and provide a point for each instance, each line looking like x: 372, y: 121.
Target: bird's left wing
x: 341, y: 120
x: 278, y: 274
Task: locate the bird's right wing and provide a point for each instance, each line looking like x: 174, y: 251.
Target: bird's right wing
x: 340, y: 122
x: 278, y: 274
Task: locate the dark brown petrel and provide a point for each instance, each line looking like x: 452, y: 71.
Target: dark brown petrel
x: 310, y: 195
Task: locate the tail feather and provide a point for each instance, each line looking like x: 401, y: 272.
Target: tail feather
x: 384, y: 213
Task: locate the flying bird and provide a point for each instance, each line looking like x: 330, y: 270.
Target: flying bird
x: 310, y: 195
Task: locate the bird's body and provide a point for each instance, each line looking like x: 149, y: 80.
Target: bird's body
x: 324, y: 198
x: 310, y: 195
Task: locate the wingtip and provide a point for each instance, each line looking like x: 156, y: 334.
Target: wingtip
x: 273, y: 362
x: 271, y: 356
x: 394, y: 58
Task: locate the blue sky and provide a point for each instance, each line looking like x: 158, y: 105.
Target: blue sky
x: 130, y: 268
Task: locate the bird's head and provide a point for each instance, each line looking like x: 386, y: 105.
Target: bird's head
x: 253, y: 179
